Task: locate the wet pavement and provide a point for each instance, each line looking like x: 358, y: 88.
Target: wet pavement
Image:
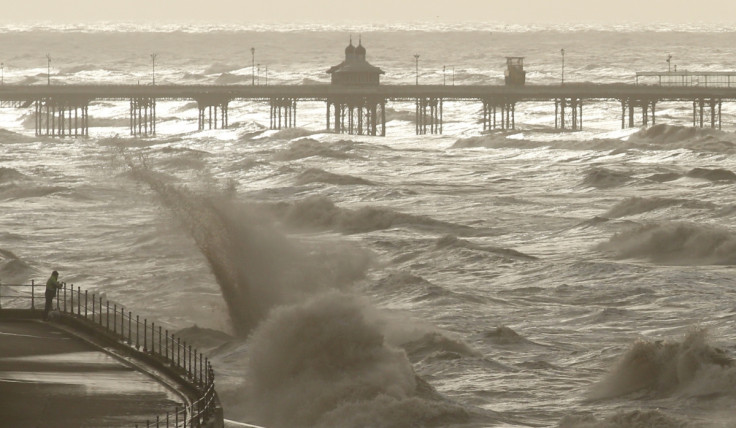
x: 50, y: 378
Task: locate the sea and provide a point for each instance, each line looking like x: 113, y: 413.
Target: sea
x: 512, y: 278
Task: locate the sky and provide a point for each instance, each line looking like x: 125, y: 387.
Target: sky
x: 372, y: 11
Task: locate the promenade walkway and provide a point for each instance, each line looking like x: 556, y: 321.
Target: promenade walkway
x: 51, y: 378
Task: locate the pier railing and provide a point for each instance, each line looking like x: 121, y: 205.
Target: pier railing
x: 140, y: 337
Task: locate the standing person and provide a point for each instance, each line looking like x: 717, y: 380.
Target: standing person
x: 52, y: 285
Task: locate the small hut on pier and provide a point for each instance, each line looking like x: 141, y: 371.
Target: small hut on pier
x: 355, y: 70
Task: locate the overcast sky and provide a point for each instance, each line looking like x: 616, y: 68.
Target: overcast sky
x: 371, y: 11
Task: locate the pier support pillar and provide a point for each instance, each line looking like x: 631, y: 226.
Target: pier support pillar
x: 357, y: 115
x: 648, y: 111
x: 283, y: 113
x: 491, y: 108
x: 429, y: 115
x: 699, y: 118
x: 62, y: 117
x: 143, y: 116
x: 569, y: 114
x: 212, y: 114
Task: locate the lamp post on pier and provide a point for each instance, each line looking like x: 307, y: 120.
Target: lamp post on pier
x: 253, y: 66
x: 153, y: 68
x: 48, y: 69
x: 416, y: 60
x: 562, y: 51
x: 669, y: 66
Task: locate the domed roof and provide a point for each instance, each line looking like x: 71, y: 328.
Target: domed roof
x: 350, y: 50
x: 360, y: 50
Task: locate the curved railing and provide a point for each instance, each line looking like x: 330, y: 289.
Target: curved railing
x: 143, y: 339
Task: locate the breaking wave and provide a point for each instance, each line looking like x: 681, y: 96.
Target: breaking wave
x: 633, y: 419
x: 307, y: 147
x: 318, y: 212
x: 10, y: 174
x: 676, y: 243
x: 452, y: 241
x: 690, y: 368
x: 316, y: 175
x: 13, y: 191
x: 323, y: 364
x: 256, y: 267
x: 668, y: 137
x: 14, y: 270
x: 603, y: 178
x: 717, y: 174
x: 638, y: 205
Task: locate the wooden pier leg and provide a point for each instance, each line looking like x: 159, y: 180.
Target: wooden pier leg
x: 719, y: 113
x: 563, y: 103
x: 441, y: 116
x: 701, y: 105
x: 383, y: 118
x: 293, y: 112
x: 360, y: 119
x: 712, y: 113
x: 631, y: 113
x: 654, y: 112
x: 327, y: 117
x: 695, y: 122
x: 153, y: 116
x: 416, y: 117
x: 574, y: 107
x: 580, y: 116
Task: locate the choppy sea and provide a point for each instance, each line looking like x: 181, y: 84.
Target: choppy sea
x: 526, y: 278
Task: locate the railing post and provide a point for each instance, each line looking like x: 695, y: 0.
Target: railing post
x: 93, y: 307
x: 71, y: 302
x: 178, y: 351
x: 145, y: 334
x: 153, y: 337
x: 33, y: 294
x: 130, y: 330
x: 107, y: 316
x: 114, y: 319
x: 57, y: 300
x: 176, y: 416
x: 79, y: 299
x: 137, y: 331
x: 85, y: 304
x: 100, y: 310
x: 194, y: 373
x: 159, y: 341
x: 122, y: 323
x: 167, y: 345
x: 190, y: 361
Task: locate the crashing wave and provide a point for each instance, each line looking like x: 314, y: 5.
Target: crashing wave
x: 603, y: 178
x: 316, y: 175
x: 690, y: 367
x: 676, y: 243
x: 633, y: 419
x: 323, y: 364
x: 318, y: 212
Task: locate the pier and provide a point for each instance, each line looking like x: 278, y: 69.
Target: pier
x: 63, y: 110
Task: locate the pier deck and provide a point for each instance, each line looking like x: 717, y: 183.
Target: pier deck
x: 62, y: 110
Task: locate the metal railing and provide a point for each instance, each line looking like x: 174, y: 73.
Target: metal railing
x: 137, y: 335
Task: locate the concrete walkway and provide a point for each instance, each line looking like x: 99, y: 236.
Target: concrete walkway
x: 49, y: 378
